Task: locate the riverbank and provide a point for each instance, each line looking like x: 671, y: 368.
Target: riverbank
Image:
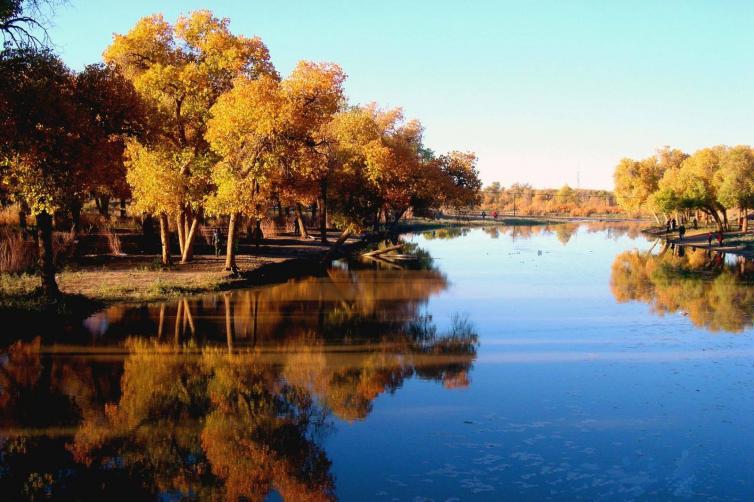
x: 93, y: 282
x: 734, y: 242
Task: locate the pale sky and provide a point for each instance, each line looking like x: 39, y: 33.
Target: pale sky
x: 540, y: 90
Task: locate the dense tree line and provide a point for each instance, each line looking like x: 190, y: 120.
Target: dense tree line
x: 191, y: 121
x: 711, y: 181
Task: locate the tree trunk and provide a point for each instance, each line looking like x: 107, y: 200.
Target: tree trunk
x: 46, y: 258
x: 343, y: 236
x: 717, y: 219
x: 179, y: 218
x: 165, y: 238
x: 745, y: 226
x: 230, y: 250
x: 323, y: 211
x: 103, y: 205
x: 122, y: 208
x: 188, y: 247
x: 22, y: 219
x: 300, y: 221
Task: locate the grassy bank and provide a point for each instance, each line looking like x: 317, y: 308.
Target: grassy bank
x: 92, y: 282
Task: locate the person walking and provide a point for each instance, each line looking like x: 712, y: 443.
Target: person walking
x: 695, y: 222
x: 681, y: 231
x: 494, y: 215
x: 216, y: 241
x: 484, y: 215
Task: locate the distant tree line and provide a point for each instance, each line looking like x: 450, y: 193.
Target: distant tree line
x: 523, y: 199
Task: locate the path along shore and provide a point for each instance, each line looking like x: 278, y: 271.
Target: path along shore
x: 734, y: 242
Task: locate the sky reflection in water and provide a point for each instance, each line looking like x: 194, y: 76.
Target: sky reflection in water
x: 549, y: 362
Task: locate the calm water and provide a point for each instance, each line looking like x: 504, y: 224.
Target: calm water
x: 564, y: 362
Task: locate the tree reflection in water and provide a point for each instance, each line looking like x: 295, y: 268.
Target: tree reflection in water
x: 715, y: 293
x: 225, y: 397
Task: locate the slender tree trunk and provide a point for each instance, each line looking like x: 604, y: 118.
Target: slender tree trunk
x: 179, y: 219
x: 716, y: 217
x: 188, y: 246
x: 745, y: 225
x: 323, y: 211
x: 300, y: 220
x: 230, y: 250
x: 46, y: 258
x: 165, y: 238
x: 22, y: 219
x: 725, y: 219
x: 103, y: 205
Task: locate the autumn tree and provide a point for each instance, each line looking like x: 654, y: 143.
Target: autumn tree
x: 114, y: 112
x: 735, y: 180
x: 179, y: 71
x: 312, y: 94
x: 40, y: 131
x: 463, y: 184
x: 245, y: 132
x: 692, y: 186
x: 637, y: 181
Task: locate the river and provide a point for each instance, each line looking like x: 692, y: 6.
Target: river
x: 545, y: 362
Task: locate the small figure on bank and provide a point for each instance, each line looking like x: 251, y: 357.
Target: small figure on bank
x: 216, y: 241
x: 681, y: 231
x: 484, y: 215
x: 494, y: 215
x: 672, y: 224
x: 695, y: 222
x: 709, y: 239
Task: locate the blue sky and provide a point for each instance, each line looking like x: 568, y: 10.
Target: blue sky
x: 539, y: 90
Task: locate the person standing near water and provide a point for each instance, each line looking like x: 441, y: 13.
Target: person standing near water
x: 216, y: 241
x: 681, y: 231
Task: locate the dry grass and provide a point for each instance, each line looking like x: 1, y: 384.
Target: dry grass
x: 17, y: 252
x: 277, y: 226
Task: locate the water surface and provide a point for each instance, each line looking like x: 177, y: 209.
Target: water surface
x: 559, y: 362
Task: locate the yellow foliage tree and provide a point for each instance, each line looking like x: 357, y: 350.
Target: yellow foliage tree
x: 180, y: 70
